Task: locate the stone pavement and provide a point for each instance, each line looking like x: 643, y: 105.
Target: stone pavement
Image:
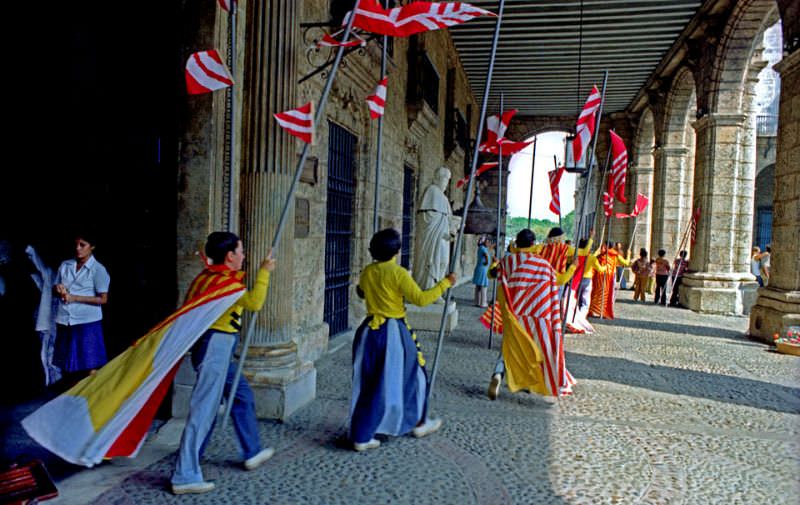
x: 670, y: 407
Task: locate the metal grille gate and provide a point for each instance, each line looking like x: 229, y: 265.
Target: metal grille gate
x: 408, y: 216
x: 764, y: 227
x: 338, y: 228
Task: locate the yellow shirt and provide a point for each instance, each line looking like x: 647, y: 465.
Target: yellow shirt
x: 592, y: 266
x: 385, y: 285
x: 231, y: 321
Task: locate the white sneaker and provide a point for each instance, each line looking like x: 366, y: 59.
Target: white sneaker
x: 428, y: 427
x: 494, y: 386
x: 365, y: 446
x: 258, y: 459
x: 193, y: 487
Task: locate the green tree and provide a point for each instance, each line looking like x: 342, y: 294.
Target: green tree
x: 541, y: 227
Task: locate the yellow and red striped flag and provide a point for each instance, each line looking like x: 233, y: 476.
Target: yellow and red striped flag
x: 108, y: 413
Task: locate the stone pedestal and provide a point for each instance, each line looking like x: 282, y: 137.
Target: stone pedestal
x: 281, y: 382
x: 774, y: 312
x: 430, y: 318
x: 718, y: 293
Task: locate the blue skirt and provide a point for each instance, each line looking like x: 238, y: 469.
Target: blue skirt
x: 389, y: 385
x: 80, y: 347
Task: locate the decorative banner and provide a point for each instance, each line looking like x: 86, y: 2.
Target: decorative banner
x: 584, y: 129
x: 555, y: 179
x: 638, y: 207
x: 298, y: 122
x: 205, y: 72
x: 608, y: 204
x: 509, y: 147
x: 619, y: 165
x: 693, y: 229
x: 226, y: 4
x: 413, y: 18
x: 377, y: 101
x: 495, y: 131
x: 328, y: 40
x: 481, y: 169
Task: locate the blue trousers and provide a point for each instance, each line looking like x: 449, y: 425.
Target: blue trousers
x: 211, y: 358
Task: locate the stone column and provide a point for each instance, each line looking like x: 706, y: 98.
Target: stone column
x: 643, y: 183
x: 281, y: 382
x: 724, y: 183
x: 671, y: 197
x: 778, y: 305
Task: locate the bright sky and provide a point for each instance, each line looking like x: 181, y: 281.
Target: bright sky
x: 519, y: 181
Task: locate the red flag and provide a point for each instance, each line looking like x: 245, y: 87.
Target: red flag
x: 584, y: 129
x: 608, y: 203
x: 483, y: 168
x: 638, y: 207
x: 205, y: 73
x: 328, y: 40
x: 298, y: 122
x: 555, y: 179
x: 619, y: 166
x: 377, y: 101
x: 509, y: 147
x: 413, y: 18
x: 226, y: 4
x: 693, y: 230
x: 496, y: 127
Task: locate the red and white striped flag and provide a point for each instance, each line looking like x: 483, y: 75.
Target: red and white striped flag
x: 555, y: 179
x: 226, y: 4
x: 205, y: 72
x: 328, y: 40
x: 415, y: 17
x: 638, y: 207
x: 481, y: 169
x: 298, y: 122
x: 584, y: 129
x: 495, y: 131
x: 608, y: 203
x: 619, y: 166
x: 693, y: 229
x: 377, y: 101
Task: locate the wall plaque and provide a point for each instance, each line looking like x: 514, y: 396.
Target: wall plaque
x: 310, y: 173
x: 302, y: 217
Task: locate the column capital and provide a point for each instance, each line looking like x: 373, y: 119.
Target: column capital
x: 671, y: 151
x: 719, y: 119
x: 789, y: 64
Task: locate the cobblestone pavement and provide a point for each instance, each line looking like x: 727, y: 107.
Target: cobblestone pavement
x: 670, y: 407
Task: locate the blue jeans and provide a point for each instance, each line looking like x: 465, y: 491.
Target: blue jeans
x: 211, y: 358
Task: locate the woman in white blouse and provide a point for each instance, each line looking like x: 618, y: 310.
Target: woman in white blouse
x: 82, y: 287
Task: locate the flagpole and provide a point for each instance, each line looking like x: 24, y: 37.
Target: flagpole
x: 380, y: 137
x: 555, y: 167
x: 673, y: 272
x: 231, y: 115
x: 467, y: 194
x: 285, y: 212
x: 579, y: 223
x: 498, y: 250
x: 533, y: 172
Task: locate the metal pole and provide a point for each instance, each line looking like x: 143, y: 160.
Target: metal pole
x: 633, y: 233
x: 498, y: 249
x: 232, y: 117
x: 533, y: 172
x: 673, y: 272
x: 590, y: 159
x: 285, y: 212
x: 380, y: 138
x: 460, y: 235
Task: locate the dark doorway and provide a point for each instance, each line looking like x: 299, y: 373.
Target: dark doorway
x: 339, y: 227
x: 99, y: 137
x: 408, y: 216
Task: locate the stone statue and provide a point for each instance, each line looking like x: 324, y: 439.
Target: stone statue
x: 435, y: 231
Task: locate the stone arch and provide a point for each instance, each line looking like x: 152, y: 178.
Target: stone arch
x: 673, y: 179
x: 642, y: 174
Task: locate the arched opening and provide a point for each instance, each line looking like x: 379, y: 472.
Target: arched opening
x: 522, y: 203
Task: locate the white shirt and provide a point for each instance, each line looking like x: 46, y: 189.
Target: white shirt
x: 755, y: 267
x: 91, y: 280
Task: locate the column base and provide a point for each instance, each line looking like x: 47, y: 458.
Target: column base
x: 774, y: 312
x: 281, y: 382
x: 719, y: 293
x: 430, y: 318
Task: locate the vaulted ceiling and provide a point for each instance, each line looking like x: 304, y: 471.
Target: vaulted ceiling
x: 545, y: 46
